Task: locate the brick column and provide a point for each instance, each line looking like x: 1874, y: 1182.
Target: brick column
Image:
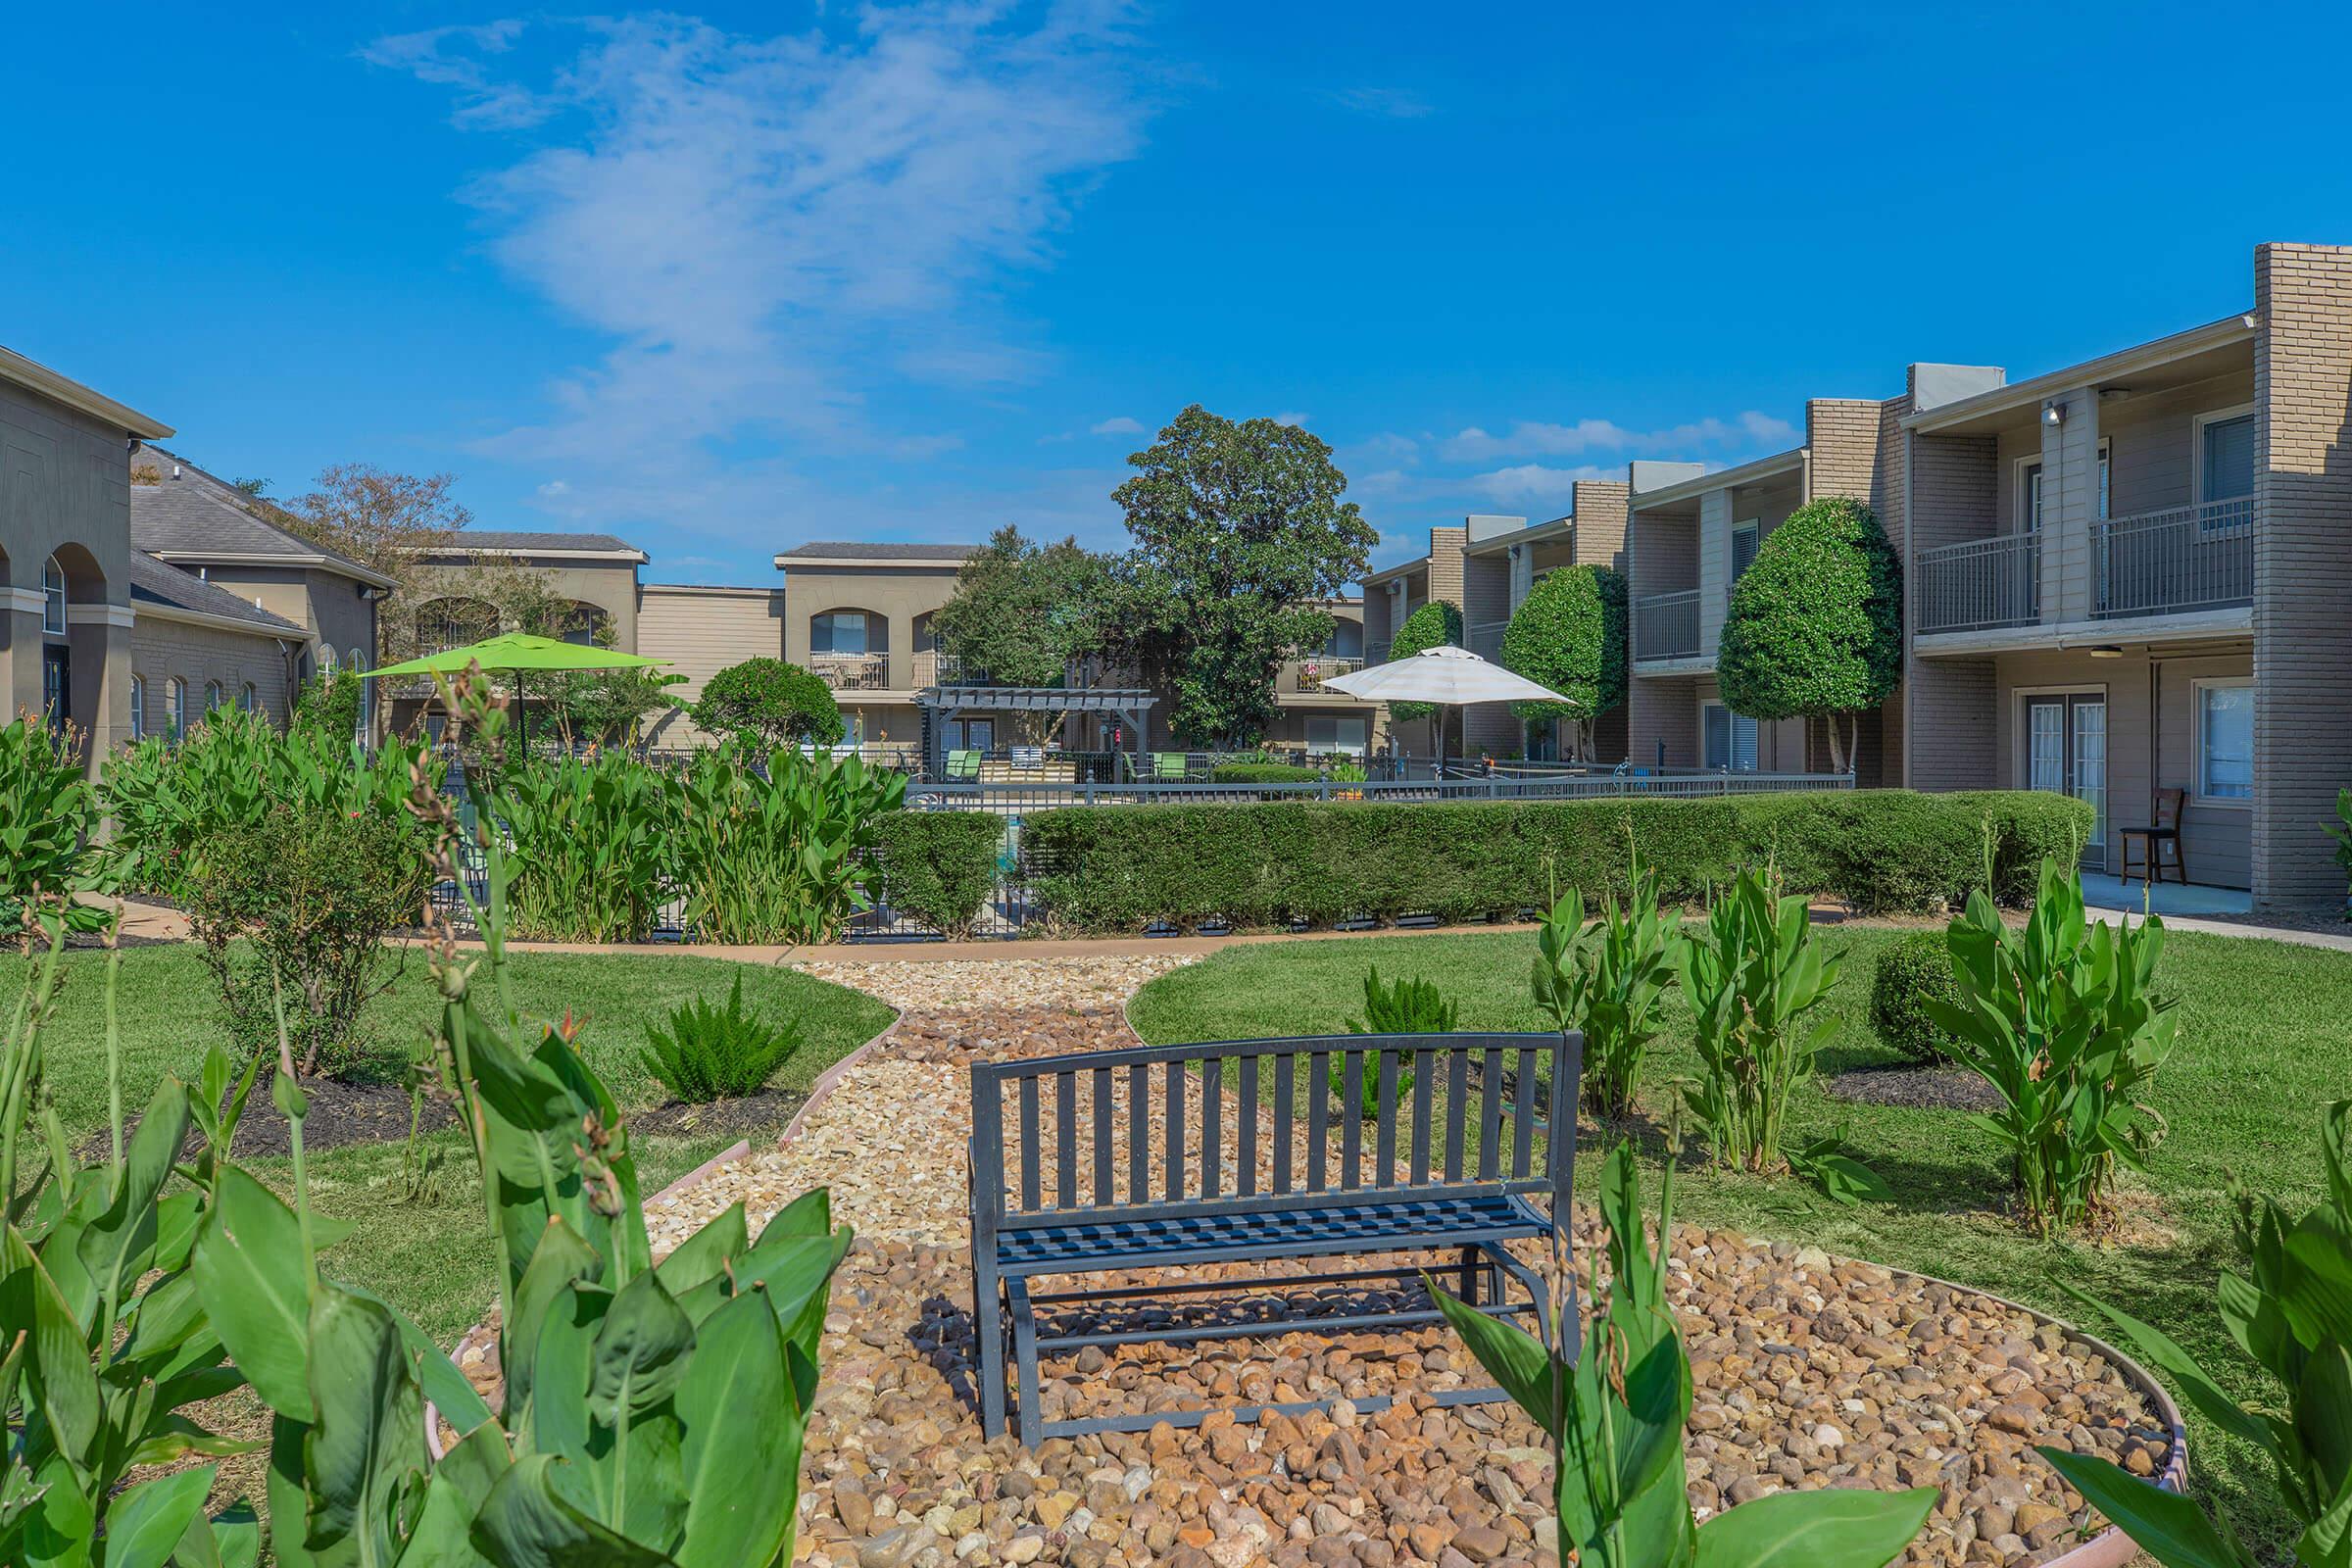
x: 2302, y: 568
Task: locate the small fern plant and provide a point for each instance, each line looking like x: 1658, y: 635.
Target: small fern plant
x: 712, y: 1053
x: 1403, y: 1007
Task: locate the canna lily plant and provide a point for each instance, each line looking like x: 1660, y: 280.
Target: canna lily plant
x: 2293, y: 1317
x: 106, y: 1340
x: 651, y: 1414
x: 1607, y: 979
x: 1616, y: 1411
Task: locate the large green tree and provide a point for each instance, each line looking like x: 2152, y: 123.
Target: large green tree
x: 1435, y: 625
x: 1569, y: 635
x: 1815, y: 626
x: 1023, y: 611
x: 1238, y: 527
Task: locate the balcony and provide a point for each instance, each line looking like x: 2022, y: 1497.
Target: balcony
x: 1666, y: 625
x: 2177, y: 562
x: 852, y: 672
x: 1978, y: 585
x: 1304, y: 677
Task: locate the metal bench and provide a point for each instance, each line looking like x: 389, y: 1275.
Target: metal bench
x: 1449, y: 1162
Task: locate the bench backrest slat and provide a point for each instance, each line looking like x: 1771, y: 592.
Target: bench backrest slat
x: 1105, y: 1194
x: 1286, y: 1096
x: 1502, y: 1104
x: 1245, y: 1168
x: 1065, y: 1139
x: 1212, y: 1128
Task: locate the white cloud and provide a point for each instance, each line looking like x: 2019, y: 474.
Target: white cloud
x: 1387, y: 103
x: 1529, y: 482
x: 1298, y: 419
x: 767, y: 227
x: 1121, y: 425
x: 1530, y: 438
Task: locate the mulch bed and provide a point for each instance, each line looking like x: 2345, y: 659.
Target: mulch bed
x: 762, y: 1114
x: 1916, y: 1087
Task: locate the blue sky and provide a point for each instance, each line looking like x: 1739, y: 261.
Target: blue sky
x: 729, y: 280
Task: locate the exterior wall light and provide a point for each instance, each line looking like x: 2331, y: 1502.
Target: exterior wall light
x: 2053, y: 413
x: 2107, y: 650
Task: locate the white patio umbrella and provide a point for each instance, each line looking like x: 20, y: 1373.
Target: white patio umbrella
x: 1450, y: 676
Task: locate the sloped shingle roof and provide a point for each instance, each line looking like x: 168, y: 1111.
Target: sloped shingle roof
x: 527, y: 540
x: 197, y: 514
x: 158, y: 582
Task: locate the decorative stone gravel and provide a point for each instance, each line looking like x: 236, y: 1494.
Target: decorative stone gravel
x: 1808, y: 1371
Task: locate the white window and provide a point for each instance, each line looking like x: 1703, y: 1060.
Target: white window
x: 176, y: 708
x: 1730, y: 738
x: 357, y: 661
x: 1744, y: 537
x: 1337, y: 734
x: 248, y: 699
x: 138, y: 708
x: 839, y: 631
x: 214, y: 697
x: 2223, y: 457
x: 53, y: 598
x: 2225, y: 740
x: 327, y: 661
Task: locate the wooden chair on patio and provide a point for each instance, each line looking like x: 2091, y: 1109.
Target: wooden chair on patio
x: 2164, y: 830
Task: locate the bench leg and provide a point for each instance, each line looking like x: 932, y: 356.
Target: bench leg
x: 988, y: 1339
x: 1468, y: 1281
x: 1024, y: 1357
x: 1534, y: 1282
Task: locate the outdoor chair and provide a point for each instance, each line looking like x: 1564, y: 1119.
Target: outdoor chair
x: 1170, y: 767
x: 2167, y: 805
x: 963, y: 768
x: 1456, y: 1137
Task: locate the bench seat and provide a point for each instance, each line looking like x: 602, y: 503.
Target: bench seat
x: 1400, y: 1225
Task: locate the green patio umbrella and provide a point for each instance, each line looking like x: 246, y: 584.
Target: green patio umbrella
x: 515, y: 652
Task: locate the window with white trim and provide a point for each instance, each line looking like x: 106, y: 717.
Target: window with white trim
x: 2225, y: 740
x: 248, y: 700
x: 1337, y: 734
x: 214, y: 697
x: 176, y: 708
x: 138, y: 708
x: 53, y: 598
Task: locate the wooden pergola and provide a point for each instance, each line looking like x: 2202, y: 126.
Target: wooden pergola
x: 1132, y: 704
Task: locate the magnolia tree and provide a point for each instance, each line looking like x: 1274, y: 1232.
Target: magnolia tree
x: 1569, y: 635
x: 1815, y: 627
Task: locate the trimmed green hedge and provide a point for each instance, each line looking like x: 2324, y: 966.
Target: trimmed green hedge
x: 1263, y: 773
x: 1267, y: 865
x: 937, y: 868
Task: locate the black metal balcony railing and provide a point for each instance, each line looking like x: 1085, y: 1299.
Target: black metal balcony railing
x: 1978, y: 585
x: 1666, y: 625
x: 2175, y: 562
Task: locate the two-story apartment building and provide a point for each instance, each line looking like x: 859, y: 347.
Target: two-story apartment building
x: 2132, y: 575
x: 1486, y: 568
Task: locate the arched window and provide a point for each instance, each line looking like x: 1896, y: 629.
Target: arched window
x: 248, y: 699
x: 581, y: 623
x: 53, y: 598
x: 214, y: 697
x: 326, y: 659
x: 453, y: 623
x: 138, y: 708
x: 176, y: 708
x: 358, y: 664
x: 849, y: 632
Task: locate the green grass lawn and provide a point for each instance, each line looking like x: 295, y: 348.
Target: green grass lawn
x: 2263, y: 1048
x: 429, y: 1254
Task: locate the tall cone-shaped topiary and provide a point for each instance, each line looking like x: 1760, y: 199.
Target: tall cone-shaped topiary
x: 1569, y: 635
x: 1815, y: 627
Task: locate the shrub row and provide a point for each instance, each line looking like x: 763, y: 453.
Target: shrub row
x: 937, y: 868
x: 1270, y: 864
x: 1263, y: 773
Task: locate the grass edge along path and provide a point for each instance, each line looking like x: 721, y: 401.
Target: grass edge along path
x: 2263, y: 1048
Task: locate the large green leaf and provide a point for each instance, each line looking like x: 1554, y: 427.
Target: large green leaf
x: 369, y: 1433
x: 2164, y: 1525
x: 641, y: 1351
x: 704, y: 1255
x: 1828, y: 1529
x: 743, y: 1432
x: 562, y: 1259
x: 117, y: 1245
x: 145, y: 1522
x: 1514, y: 1359
x: 526, y: 1524
x: 557, y: 1418
x: 453, y: 1396
x: 61, y: 1372
x: 2181, y: 1370
x: 248, y: 1264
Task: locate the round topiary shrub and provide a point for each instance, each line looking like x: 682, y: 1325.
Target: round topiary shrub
x: 1434, y: 625
x: 1916, y: 967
